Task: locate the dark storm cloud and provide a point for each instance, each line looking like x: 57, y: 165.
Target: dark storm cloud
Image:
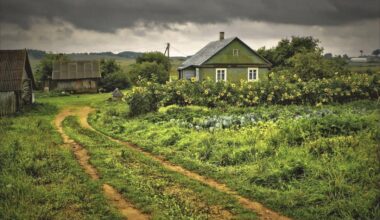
x: 109, y: 15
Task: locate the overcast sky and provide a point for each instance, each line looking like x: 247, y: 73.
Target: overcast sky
x: 343, y: 26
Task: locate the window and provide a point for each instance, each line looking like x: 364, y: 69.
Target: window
x: 235, y: 52
x: 253, y: 74
x: 221, y: 75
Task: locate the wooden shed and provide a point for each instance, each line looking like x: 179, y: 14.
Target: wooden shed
x: 16, y: 81
x: 76, y: 76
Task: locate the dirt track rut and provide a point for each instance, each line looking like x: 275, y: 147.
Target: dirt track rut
x: 115, y: 198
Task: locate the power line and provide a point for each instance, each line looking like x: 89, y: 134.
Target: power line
x: 178, y: 51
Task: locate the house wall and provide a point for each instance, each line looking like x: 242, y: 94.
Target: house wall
x: 233, y: 74
x: 78, y: 86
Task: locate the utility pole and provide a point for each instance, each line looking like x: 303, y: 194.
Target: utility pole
x: 167, y: 49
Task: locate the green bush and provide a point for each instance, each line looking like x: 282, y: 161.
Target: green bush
x: 112, y: 76
x: 115, y: 80
x: 282, y: 88
x: 144, y: 99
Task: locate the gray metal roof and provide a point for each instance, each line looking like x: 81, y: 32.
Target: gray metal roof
x: 76, y: 70
x: 206, y: 53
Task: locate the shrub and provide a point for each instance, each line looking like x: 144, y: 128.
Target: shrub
x: 144, y: 99
x: 112, y: 76
x: 282, y: 88
x: 115, y: 80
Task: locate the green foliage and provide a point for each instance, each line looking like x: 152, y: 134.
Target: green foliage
x: 112, y: 76
x: 152, y: 66
x: 108, y: 67
x: 281, y: 88
x: 151, y: 71
x: 302, y: 160
x: 286, y: 48
x: 39, y: 178
x: 376, y: 52
x: 116, y: 80
x: 162, y: 193
x: 144, y: 99
x: 154, y: 57
x: 312, y: 65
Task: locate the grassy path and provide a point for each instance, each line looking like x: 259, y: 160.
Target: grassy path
x: 263, y: 211
x: 150, y: 186
x: 125, y: 207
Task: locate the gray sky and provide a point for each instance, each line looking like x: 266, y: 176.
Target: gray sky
x: 343, y: 26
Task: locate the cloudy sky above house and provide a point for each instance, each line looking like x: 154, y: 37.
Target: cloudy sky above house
x: 343, y: 26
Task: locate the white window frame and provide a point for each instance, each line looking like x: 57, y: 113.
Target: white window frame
x: 235, y: 54
x: 197, y: 74
x: 257, y: 74
x: 216, y: 74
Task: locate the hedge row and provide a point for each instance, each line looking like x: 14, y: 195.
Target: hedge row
x: 279, y: 89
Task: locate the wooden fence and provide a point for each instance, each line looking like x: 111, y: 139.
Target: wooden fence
x: 7, y: 103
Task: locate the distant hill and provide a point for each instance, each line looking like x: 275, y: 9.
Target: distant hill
x: 39, y: 54
x: 36, y: 54
x: 129, y: 54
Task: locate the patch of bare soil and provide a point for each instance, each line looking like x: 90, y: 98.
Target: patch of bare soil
x: 82, y: 156
x: 260, y: 209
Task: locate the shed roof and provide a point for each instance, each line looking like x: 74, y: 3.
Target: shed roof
x: 212, y: 49
x: 12, y: 66
x: 71, y: 70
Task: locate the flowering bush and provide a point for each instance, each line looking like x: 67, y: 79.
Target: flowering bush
x: 144, y: 99
x: 279, y: 89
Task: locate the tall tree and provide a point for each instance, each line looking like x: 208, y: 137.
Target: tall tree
x: 157, y: 57
x: 286, y: 48
x: 113, y: 76
x: 108, y: 67
x: 376, y: 52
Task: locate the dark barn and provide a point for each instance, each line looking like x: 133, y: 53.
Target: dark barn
x: 76, y: 76
x: 16, y: 81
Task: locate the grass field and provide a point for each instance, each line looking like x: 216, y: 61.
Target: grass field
x: 161, y: 193
x: 301, y: 161
x: 364, y: 67
x: 39, y: 178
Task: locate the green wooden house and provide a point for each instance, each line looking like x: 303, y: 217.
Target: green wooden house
x: 225, y: 60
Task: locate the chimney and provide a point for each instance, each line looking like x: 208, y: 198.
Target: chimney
x: 221, y: 35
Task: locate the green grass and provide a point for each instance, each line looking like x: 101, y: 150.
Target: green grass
x: 365, y: 67
x: 39, y: 179
x: 303, y: 161
x: 162, y: 193
x: 58, y: 100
